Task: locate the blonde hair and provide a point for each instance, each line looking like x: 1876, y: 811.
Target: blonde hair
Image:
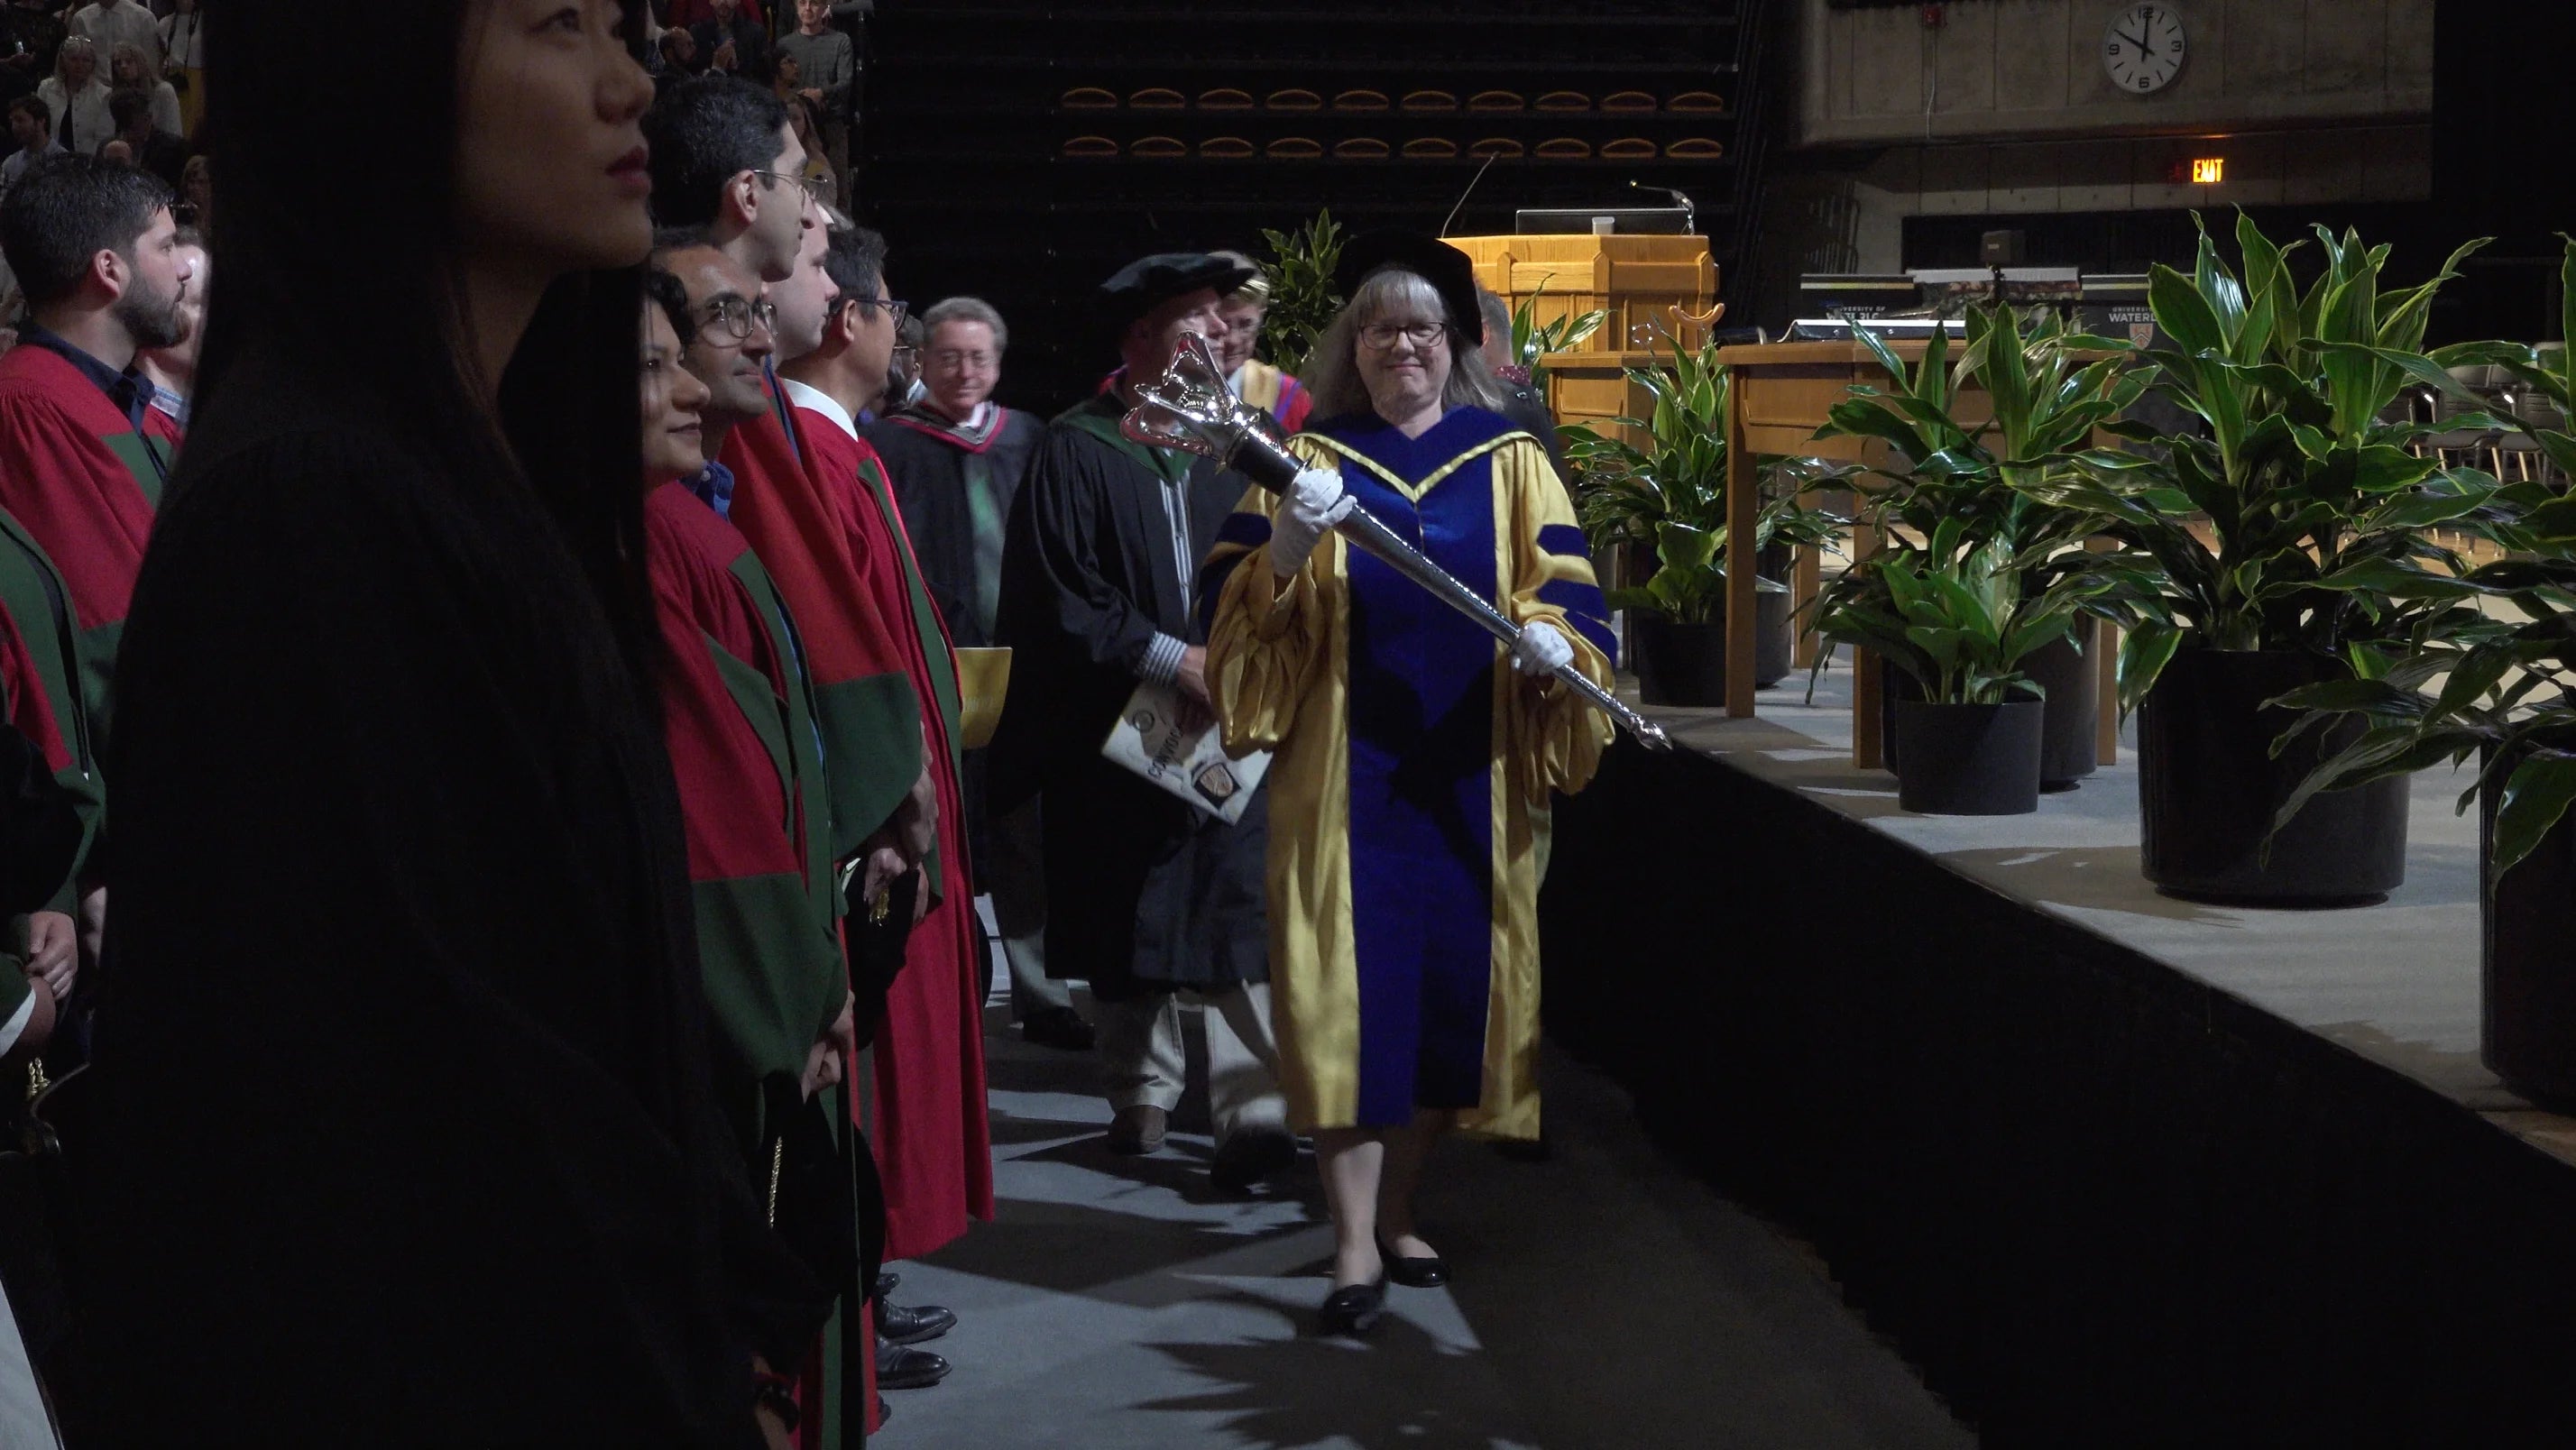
x: 1333, y: 373
x: 85, y: 46
x: 1256, y: 288
x: 143, y: 75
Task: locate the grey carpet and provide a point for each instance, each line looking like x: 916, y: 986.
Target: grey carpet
x: 1602, y: 1300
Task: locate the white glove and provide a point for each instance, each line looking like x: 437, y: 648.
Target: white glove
x: 1316, y: 502
x: 1540, y: 649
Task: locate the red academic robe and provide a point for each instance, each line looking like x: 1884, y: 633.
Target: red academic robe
x: 931, y: 1126
x: 81, y: 480
x: 735, y: 718
x: 805, y: 517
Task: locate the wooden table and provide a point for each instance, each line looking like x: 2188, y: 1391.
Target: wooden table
x: 1779, y: 397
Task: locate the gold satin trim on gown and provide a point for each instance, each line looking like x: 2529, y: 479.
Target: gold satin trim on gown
x: 1279, y: 668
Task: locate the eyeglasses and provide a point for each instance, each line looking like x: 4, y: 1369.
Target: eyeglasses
x: 895, y: 311
x: 813, y: 187
x: 951, y: 358
x: 1382, y: 335
x: 737, y: 315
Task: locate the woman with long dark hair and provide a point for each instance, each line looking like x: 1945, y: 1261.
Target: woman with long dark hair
x: 400, y: 1131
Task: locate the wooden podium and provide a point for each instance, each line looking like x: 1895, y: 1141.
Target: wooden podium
x: 1636, y: 278
x: 1781, y: 393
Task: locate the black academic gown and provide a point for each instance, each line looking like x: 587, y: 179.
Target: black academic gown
x: 948, y: 484
x: 1143, y: 892
x: 398, y: 1129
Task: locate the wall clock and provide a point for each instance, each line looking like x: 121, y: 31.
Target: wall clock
x: 2143, y: 48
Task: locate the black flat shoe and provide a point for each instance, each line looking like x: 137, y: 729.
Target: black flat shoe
x: 1424, y: 1273
x: 1352, y: 1310
x: 883, y: 1289
x: 1248, y: 1158
x: 899, y: 1368
x: 899, y: 1325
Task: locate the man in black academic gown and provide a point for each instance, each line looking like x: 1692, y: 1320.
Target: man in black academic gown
x: 1146, y: 897
x: 956, y: 459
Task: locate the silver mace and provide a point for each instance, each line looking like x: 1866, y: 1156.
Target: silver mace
x: 1191, y: 408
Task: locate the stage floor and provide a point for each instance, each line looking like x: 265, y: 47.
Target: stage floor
x: 2395, y: 983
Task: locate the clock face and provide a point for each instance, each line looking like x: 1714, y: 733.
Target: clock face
x: 2143, y: 48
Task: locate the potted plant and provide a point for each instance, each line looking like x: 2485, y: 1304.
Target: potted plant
x: 1303, y: 299
x: 2506, y: 693
x: 1668, y: 503
x: 2048, y: 388
x: 2280, y: 537
x: 1534, y: 341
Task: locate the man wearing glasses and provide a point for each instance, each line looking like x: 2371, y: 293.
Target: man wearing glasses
x: 1145, y: 898
x: 957, y: 458
x: 731, y: 355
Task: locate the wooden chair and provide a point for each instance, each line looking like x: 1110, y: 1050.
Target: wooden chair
x: 1564, y: 148
x: 1694, y: 148
x: 1158, y: 148
x: 1561, y: 102
x: 1498, y: 148
x: 1696, y: 103
x: 1361, y: 148
x: 1226, y: 148
x: 1090, y: 148
x: 1295, y: 148
x: 1429, y: 101
x: 1156, y: 98
x: 1088, y: 98
x: 1430, y: 148
x: 1628, y: 103
x: 1628, y: 148
x: 1294, y: 98
x: 1497, y: 102
x: 1225, y: 98
x: 1360, y: 99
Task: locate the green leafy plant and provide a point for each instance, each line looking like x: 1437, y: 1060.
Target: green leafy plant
x: 2317, y: 510
x: 1671, y: 495
x: 1303, y: 299
x: 1980, y: 568
x: 2498, y: 682
x: 1533, y: 341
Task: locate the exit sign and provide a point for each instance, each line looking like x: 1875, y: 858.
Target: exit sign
x: 2208, y: 170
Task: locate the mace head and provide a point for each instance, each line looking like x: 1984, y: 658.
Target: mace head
x: 1190, y: 407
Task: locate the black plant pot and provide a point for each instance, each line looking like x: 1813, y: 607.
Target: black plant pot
x: 1970, y: 760
x: 1685, y: 664
x: 2067, y: 749
x: 2527, y: 957
x: 2208, y: 788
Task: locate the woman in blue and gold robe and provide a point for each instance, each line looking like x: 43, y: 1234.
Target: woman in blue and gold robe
x: 1409, y: 794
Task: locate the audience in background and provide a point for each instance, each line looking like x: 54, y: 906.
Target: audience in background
x: 111, y: 23
x: 31, y: 125
x: 686, y: 13
x: 147, y: 145
x: 183, y: 62
x: 734, y: 42
x: 827, y: 65
x: 77, y: 97
x: 31, y: 35
x: 128, y: 70
x: 196, y: 203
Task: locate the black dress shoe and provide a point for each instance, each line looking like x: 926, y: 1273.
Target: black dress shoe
x: 1057, y: 1027
x: 883, y: 1289
x: 1247, y: 1158
x: 898, y: 1325
x: 899, y: 1368
x: 1423, y: 1273
x: 1352, y: 1310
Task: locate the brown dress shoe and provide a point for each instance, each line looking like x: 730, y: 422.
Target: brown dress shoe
x: 1138, y: 1129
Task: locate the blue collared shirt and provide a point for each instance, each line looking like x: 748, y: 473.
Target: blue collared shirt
x: 129, y: 390
x: 714, y: 488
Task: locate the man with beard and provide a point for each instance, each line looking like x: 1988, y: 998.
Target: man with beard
x: 83, y: 455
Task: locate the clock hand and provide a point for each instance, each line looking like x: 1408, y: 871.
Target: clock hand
x: 2134, y: 40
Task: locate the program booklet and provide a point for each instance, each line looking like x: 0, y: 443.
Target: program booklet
x: 1190, y: 763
